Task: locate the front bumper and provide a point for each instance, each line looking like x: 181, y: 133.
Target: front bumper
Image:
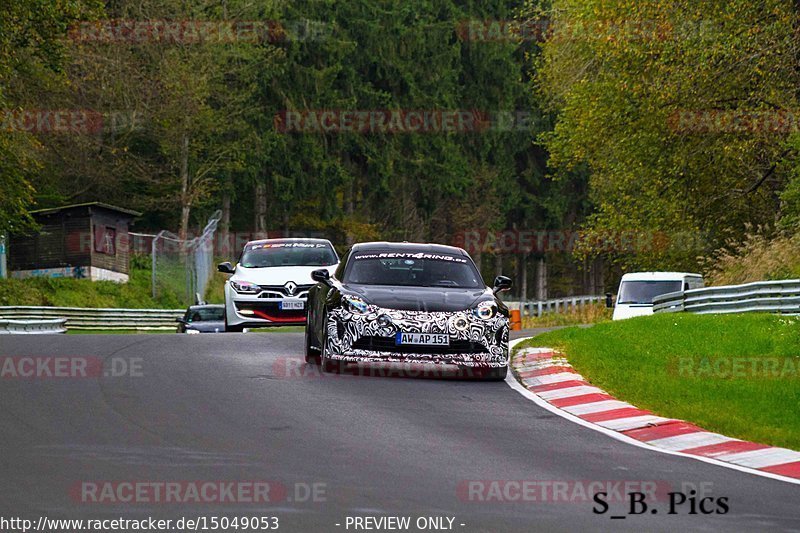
x: 370, y: 337
x: 260, y: 310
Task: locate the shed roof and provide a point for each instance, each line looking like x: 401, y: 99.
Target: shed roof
x: 101, y: 205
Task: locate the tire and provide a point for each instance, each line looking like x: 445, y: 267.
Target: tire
x: 325, y: 363
x: 312, y: 356
x: 496, y: 374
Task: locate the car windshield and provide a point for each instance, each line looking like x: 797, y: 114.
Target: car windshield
x: 413, y: 270
x: 206, y: 314
x: 643, y: 292
x: 287, y: 254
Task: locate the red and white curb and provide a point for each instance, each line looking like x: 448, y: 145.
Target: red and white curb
x: 544, y: 376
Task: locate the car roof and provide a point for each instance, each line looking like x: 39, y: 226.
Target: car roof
x: 277, y: 241
x: 659, y: 276
x: 385, y: 246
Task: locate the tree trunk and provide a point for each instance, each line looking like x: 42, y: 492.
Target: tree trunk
x: 541, y: 279
x: 349, y: 207
x: 348, y: 196
x: 260, y: 210
x: 523, y: 277
x: 186, y: 199
x: 498, y: 264
x: 224, y: 249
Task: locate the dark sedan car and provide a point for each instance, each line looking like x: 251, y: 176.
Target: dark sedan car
x: 207, y: 318
x: 408, y: 303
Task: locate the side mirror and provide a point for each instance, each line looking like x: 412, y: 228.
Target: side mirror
x: 321, y: 276
x: 609, y: 300
x: 225, y: 268
x: 180, y: 320
x: 501, y: 284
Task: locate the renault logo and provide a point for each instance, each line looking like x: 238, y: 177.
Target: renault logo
x: 290, y: 288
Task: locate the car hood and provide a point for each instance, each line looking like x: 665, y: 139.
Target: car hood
x: 430, y: 299
x: 623, y: 311
x: 278, y: 275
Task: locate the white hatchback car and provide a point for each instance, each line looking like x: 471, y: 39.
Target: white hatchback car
x: 269, y: 285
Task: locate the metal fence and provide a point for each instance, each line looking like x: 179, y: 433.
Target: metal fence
x: 556, y: 305
x: 761, y: 296
x: 98, y: 318
x: 183, y: 267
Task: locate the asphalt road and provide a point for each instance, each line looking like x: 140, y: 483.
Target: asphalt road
x: 243, y: 408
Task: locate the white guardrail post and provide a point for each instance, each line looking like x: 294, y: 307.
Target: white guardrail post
x: 781, y: 296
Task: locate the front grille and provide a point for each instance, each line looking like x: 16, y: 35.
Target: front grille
x: 387, y: 344
x: 280, y: 289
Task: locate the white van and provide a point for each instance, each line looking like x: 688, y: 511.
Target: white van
x: 637, y: 290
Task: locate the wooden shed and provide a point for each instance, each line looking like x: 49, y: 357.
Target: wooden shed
x: 80, y: 241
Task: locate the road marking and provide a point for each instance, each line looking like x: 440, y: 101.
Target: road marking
x: 634, y: 422
x: 551, y: 378
x: 724, y: 448
x: 560, y: 385
x: 762, y: 458
x: 690, y: 440
x: 544, y: 371
x: 677, y: 428
x: 596, y: 407
x: 614, y: 414
x: 570, y: 391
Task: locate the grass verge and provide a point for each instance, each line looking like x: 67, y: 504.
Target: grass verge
x: 738, y: 375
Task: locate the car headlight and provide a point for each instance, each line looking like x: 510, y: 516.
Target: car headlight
x: 245, y: 287
x: 485, y: 310
x: 355, y: 305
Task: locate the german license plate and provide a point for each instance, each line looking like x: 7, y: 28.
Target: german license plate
x: 424, y: 339
x: 289, y: 305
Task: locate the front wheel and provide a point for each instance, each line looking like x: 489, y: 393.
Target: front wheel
x: 496, y: 374
x: 311, y: 354
x: 325, y: 362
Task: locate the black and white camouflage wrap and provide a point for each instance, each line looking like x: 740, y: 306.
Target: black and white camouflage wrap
x: 357, y: 325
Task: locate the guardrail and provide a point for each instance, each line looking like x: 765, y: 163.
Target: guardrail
x: 557, y: 305
x: 98, y: 318
x: 761, y: 296
x: 32, y: 327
